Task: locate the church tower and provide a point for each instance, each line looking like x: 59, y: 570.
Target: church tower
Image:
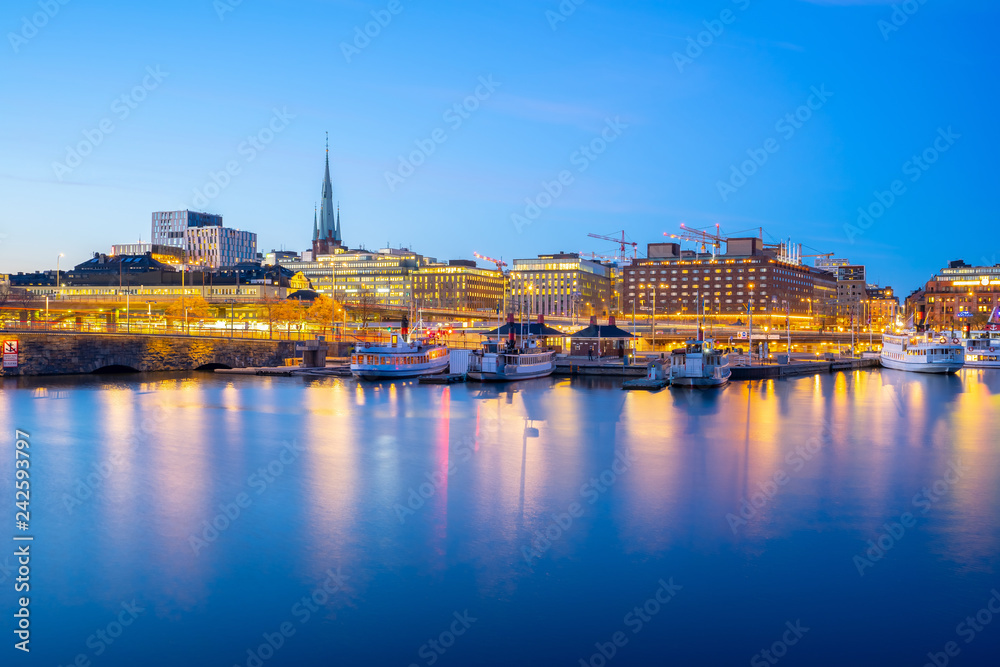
x: 326, y: 229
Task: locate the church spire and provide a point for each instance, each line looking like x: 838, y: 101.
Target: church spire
x: 326, y: 226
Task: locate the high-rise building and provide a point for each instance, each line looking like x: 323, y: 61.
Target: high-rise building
x: 169, y: 227
x: 218, y: 247
x: 168, y: 254
x: 562, y: 284
x: 326, y: 224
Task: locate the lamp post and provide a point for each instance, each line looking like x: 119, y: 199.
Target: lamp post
x: 58, y: 257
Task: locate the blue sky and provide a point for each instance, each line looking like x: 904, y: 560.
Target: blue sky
x: 225, y: 72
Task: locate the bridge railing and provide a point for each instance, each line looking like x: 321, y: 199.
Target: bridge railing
x: 194, y: 330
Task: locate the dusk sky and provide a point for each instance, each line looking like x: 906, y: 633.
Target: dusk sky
x: 182, y: 86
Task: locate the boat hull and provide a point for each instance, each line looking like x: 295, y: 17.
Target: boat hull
x: 934, y: 368
x: 502, y: 376
x: 398, y: 372
x: 699, y: 382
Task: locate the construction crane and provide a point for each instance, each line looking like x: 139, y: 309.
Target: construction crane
x: 499, y: 262
x: 621, y: 243
x: 700, y: 236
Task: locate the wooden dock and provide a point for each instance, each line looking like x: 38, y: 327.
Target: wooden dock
x: 800, y: 368
x: 646, y: 383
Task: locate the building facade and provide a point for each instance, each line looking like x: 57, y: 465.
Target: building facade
x: 218, y: 247
x: 167, y: 254
x: 747, y: 278
x: 170, y: 227
x: 561, y: 284
x: 459, y: 285
x: 882, y: 307
x: 851, y: 293
x: 960, y: 294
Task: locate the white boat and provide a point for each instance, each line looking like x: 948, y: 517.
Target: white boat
x: 399, y: 358
x: 983, y: 351
x: 511, y: 362
x: 922, y: 352
x: 699, y: 364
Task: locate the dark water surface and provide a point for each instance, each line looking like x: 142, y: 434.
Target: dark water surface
x: 529, y: 525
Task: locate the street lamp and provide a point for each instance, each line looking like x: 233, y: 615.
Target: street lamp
x: 58, y: 292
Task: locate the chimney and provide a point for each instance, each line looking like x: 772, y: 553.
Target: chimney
x: 510, y: 328
x: 611, y: 321
x: 593, y: 320
x: 541, y: 318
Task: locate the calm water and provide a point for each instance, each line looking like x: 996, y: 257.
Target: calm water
x: 512, y: 527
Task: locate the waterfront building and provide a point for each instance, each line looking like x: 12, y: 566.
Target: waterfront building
x: 110, y: 277
x: 561, y: 284
x: 747, y: 278
x: 459, y: 285
x: 960, y: 294
x: 170, y: 227
x: 377, y: 279
x: 830, y: 263
x: 217, y: 247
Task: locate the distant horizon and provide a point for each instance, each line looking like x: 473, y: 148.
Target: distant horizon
x: 826, y: 122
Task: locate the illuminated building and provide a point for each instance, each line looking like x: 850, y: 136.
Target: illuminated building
x: 170, y: 227
x: 459, y: 285
x: 561, y: 284
x: 961, y: 288
x: 671, y: 282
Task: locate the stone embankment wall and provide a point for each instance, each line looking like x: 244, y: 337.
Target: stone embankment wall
x: 67, y: 354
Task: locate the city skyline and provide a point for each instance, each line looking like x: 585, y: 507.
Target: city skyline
x: 516, y: 133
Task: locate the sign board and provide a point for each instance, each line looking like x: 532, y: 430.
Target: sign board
x: 965, y: 313
x: 991, y: 327
x: 10, y: 354
x: 741, y: 334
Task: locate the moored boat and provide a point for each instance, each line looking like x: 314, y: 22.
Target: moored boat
x: 982, y: 349
x: 922, y: 352
x: 401, y: 357
x: 699, y: 364
x: 520, y: 357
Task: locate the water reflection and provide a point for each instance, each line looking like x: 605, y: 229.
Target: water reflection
x: 434, y: 494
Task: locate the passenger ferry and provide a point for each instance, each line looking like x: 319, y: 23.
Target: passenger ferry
x: 922, y: 352
x: 513, y: 361
x: 399, y: 358
x: 699, y: 364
